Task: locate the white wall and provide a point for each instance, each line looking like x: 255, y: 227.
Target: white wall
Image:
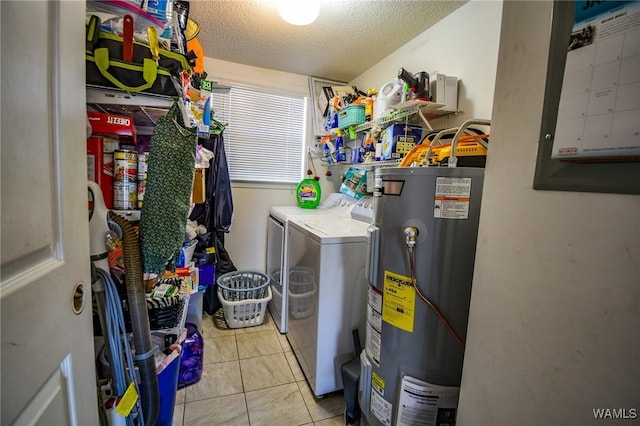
x: 465, y: 45
x: 554, y: 326
x: 246, y: 242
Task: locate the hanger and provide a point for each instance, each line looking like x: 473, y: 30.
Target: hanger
x: 216, y: 127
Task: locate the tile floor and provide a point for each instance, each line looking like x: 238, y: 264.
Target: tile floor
x: 251, y: 377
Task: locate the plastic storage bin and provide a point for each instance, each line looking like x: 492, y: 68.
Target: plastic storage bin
x: 194, y: 310
x: 167, y: 386
x: 244, y: 296
x: 353, y: 115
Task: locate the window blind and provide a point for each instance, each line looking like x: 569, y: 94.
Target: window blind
x: 264, y: 137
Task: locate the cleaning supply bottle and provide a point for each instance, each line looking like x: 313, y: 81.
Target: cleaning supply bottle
x: 388, y: 95
x: 308, y: 193
x: 328, y: 149
x: 340, y: 154
x: 368, y: 105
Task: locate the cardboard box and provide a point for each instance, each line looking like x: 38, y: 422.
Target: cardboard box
x: 439, y: 89
x: 451, y: 93
x: 198, y: 193
x: 446, y: 91
x: 399, y: 139
x: 115, y: 126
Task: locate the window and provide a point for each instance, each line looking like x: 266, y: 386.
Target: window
x: 264, y: 137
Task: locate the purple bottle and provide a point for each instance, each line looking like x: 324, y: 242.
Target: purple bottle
x: 192, y: 357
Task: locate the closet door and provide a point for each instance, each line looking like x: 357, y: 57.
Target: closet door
x: 48, y: 375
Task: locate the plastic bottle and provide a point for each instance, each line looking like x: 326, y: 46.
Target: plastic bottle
x: 328, y: 149
x: 340, y: 154
x: 389, y: 94
x: 308, y: 194
x: 378, y: 156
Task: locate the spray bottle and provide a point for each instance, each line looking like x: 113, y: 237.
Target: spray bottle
x: 368, y: 105
x: 340, y: 154
x: 328, y: 149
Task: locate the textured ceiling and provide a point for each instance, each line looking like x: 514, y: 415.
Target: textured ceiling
x: 347, y: 38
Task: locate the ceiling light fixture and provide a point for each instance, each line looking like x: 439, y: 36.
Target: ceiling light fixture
x: 299, y: 12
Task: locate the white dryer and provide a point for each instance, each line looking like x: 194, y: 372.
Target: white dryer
x: 336, y: 205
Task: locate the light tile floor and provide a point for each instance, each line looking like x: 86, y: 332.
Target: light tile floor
x: 251, y: 377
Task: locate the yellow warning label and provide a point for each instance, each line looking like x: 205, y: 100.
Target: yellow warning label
x: 377, y: 383
x: 398, y: 301
x: 128, y: 401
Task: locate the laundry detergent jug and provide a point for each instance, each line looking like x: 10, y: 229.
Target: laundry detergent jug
x: 308, y: 194
x: 388, y: 95
x: 191, y: 358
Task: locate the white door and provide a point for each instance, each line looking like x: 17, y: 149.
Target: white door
x: 48, y: 375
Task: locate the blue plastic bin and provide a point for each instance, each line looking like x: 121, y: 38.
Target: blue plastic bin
x: 168, y: 387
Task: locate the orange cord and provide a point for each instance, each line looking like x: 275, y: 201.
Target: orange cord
x: 433, y: 307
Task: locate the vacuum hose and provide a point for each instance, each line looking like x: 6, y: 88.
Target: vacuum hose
x: 136, y: 300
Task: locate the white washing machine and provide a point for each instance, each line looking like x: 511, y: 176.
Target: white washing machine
x: 336, y: 205
x: 327, y: 294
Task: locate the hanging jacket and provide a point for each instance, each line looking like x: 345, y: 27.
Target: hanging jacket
x: 216, y: 213
x: 166, y: 204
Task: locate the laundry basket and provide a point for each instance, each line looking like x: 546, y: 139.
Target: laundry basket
x: 276, y: 286
x: 244, y: 296
x: 302, y: 290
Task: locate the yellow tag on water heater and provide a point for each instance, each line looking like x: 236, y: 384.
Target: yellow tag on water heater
x: 398, y: 301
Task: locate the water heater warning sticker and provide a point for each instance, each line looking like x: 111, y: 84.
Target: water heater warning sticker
x: 398, y: 301
x: 379, y: 406
x: 452, y: 197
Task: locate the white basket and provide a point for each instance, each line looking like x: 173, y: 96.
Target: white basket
x: 302, y: 290
x: 243, y: 285
x: 245, y: 313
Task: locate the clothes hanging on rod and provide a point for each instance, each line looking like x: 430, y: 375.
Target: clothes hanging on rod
x: 216, y: 213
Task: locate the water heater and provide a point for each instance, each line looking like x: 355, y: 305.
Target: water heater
x: 420, y: 268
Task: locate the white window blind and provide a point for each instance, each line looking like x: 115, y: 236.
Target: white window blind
x: 264, y: 137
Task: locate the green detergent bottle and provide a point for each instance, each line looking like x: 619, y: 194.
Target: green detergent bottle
x: 308, y: 193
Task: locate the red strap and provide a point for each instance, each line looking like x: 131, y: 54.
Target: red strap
x: 127, y: 39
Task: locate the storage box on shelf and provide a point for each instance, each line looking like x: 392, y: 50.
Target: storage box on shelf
x: 399, y: 139
x: 353, y: 115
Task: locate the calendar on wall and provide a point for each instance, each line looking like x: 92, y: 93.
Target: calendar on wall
x: 599, y: 108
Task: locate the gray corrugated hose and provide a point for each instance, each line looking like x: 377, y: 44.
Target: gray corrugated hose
x: 136, y: 300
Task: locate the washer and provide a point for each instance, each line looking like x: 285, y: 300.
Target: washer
x: 336, y: 205
x: 327, y: 295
